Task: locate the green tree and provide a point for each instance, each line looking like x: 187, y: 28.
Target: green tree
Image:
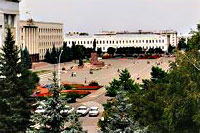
x: 172, y: 104
x: 25, y: 58
x: 94, y: 45
x: 111, y: 51
x: 54, y: 55
x: 113, y: 87
x: 47, y: 56
x: 170, y: 49
x: 67, y: 53
x: 120, y: 121
x: 16, y: 84
x: 181, y: 44
x: 53, y: 119
x: 125, y: 82
x: 157, y: 74
x: 194, y: 42
x: 99, y: 51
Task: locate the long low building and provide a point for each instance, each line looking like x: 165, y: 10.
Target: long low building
x: 104, y: 41
x: 40, y: 36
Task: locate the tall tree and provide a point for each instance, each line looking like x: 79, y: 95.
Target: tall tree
x: 25, y: 58
x: 16, y: 84
x: 99, y: 51
x: 53, y: 119
x: 94, y: 45
x: 47, y: 56
x: 182, y: 44
x: 157, y: 74
x: 194, y: 42
x: 120, y: 120
x: 111, y: 51
x: 170, y: 49
x: 54, y: 55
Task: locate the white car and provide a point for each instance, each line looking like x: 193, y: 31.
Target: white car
x: 40, y: 109
x: 94, y: 111
x: 67, y: 110
x: 83, y: 110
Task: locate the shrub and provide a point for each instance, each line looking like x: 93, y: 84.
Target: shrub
x: 93, y: 83
x: 71, y: 96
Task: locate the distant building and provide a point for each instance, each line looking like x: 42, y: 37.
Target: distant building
x: 9, y: 17
x: 40, y: 36
x: 145, y: 40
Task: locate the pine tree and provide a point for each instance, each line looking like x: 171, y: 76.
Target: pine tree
x: 120, y: 120
x: 47, y: 57
x: 53, y: 119
x: 16, y: 84
x: 54, y: 55
x: 25, y: 59
x: 94, y: 45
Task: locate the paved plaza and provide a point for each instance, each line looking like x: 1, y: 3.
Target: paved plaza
x: 138, y: 68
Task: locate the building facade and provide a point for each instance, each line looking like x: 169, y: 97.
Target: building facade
x: 116, y: 40
x: 9, y: 17
x: 40, y: 36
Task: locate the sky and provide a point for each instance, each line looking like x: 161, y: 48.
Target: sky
x: 93, y: 16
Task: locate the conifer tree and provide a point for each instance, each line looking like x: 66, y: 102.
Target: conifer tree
x: 53, y: 119
x: 54, y: 55
x: 16, y: 84
x: 25, y: 59
x: 120, y: 120
x: 48, y: 57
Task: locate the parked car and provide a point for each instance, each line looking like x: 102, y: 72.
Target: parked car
x: 67, y: 110
x: 94, y: 111
x: 82, y: 110
x: 40, y: 109
x: 40, y: 106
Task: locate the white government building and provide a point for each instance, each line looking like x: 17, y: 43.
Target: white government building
x: 9, y: 16
x: 141, y: 39
x: 40, y: 36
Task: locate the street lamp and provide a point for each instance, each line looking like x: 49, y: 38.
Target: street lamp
x: 59, y: 69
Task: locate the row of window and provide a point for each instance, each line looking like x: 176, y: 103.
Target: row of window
x: 50, y: 43
x: 50, y: 37
x: 48, y: 30
x: 117, y: 41
x: 144, y: 47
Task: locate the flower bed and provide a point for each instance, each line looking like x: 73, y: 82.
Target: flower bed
x: 43, y: 92
x: 80, y: 87
x: 88, y: 87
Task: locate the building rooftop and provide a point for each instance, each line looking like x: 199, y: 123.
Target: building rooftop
x: 42, y: 22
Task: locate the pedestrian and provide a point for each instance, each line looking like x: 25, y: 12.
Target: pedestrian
x: 72, y: 74
x: 85, y: 80
x: 118, y: 70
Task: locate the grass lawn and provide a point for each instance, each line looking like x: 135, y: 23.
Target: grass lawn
x: 42, y: 72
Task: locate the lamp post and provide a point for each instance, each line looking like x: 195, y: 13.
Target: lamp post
x: 59, y: 69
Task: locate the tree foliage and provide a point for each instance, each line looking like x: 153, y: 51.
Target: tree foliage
x: 125, y: 82
x: 16, y: 85
x: 181, y: 44
x: 172, y: 104
x: 194, y: 42
x: 25, y: 59
x: 53, y: 119
x: 111, y: 50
